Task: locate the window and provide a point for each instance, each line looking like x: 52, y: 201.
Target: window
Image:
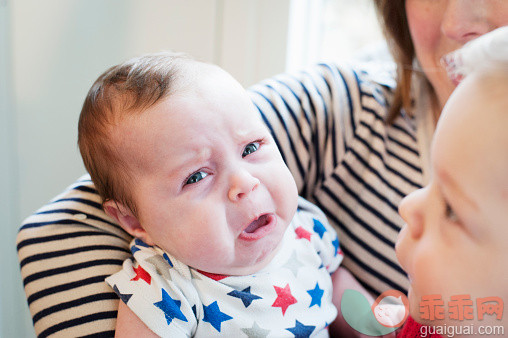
x: 331, y: 30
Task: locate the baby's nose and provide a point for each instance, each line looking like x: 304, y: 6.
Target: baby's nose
x: 410, y: 209
x: 242, y: 183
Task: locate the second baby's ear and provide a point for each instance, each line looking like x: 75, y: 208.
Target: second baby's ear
x: 127, y: 220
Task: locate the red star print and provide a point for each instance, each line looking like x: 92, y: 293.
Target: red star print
x: 141, y: 273
x: 213, y: 276
x: 302, y: 233
x: 284, y: 298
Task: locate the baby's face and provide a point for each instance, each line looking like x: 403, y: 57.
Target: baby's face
x: 456, y: 238
x: 209, y: 184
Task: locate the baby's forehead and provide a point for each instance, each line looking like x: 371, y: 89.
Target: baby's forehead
x: 494, y: 101
x: 474, y: 121
x: 484, y: 94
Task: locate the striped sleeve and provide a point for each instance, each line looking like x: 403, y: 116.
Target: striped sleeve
x: 66, y: 250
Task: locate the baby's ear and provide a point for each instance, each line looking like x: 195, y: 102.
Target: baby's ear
x: 127, y: 220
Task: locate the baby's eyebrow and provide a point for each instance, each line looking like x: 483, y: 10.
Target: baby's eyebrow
x: 449, y: 183
x: 240, y: 136
x: 189, y: 159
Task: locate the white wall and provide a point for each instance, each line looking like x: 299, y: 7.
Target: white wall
x: 50, y: 53
x: 13, y: 307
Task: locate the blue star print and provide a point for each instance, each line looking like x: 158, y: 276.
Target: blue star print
x: 134, y: 249
x: 138, y: 242
x: 123, y: 296
x: 166, y: 257
x: 244, y: 295
x: 316, y: 295
x: 170, y: 307
x: 141, y: 243
x: 300, y: 330
x: 335, y: 243
x: 319, y: 228
x: 214, y: 316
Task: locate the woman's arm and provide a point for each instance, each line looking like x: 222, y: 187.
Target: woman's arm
x: 66, y: 250
x: 343, y: 280
x: 129, y: 325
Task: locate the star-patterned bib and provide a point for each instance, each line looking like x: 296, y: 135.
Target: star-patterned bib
x: 291, y: 297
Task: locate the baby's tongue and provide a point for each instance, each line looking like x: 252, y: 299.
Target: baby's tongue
x: 256, y: 224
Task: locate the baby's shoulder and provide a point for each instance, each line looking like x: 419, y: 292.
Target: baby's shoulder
x: 311, y: 225
x: 309, y: 216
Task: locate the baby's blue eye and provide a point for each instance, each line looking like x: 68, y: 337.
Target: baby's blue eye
x: 250, y: 148
x: 196, y: 177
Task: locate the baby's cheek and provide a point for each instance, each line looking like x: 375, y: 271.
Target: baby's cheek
x: 429, y: 273
x: 283, y: 189
x: 426, y: 281
x: 403, y: 247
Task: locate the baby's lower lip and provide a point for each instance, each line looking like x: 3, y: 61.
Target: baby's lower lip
x: 269, y: 223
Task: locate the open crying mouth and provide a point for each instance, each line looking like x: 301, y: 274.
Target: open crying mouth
x: 259, y: 228
x: 256, y: 224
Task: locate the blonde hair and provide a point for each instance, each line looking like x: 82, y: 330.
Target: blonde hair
x: 123, y: 90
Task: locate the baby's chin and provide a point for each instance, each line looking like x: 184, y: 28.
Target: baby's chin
x: 262, y: 262
x: 414, y: 310
x: 244, y: 270
x: 248, y: 265
x: 414, y: 306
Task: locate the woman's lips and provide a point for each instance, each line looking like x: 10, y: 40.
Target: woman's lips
x: 259, y: 228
